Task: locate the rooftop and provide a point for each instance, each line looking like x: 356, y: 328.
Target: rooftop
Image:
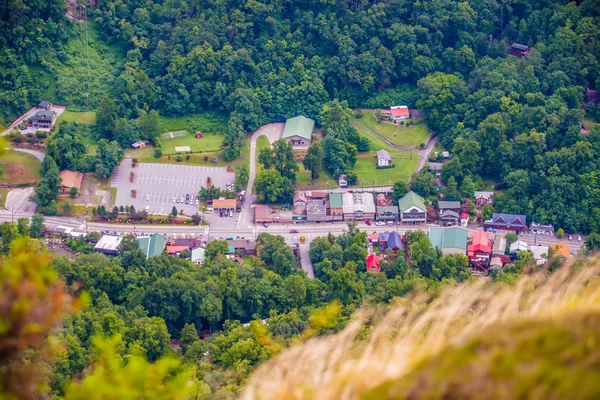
x: 44, y: 114
x: 411, y: 199
x: 384, y: 154
x: 448, y: 238
x: 335, y: 200
x: 224, y: 203
x: 298, y: 126
x: 316, y: 207
x: 362, y: 202
x: 399, y: 111
x: 435, y: 166
x: 71, y: 179
x: 449, y: 204
x: 562, y: 249
x: 152, y: 245
x: 108, y: 243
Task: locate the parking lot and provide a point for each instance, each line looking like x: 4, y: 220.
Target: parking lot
x: 159, y: 186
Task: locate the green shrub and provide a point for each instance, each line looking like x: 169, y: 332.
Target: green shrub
x: 179, y: 159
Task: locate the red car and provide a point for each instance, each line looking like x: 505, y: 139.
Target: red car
x: 368, y: 222
x: 294, y: 231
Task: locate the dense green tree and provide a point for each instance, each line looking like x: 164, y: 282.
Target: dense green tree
x: 109, y: 155
x: 423, y: 183
x: 8, y: 232
x: 215, y: 248
x: 151, y: 335
x: 334, y: 116
x: 280, y: 156
x: 189, y: 336
x: 37, y: 227
x: 23, y: 226
x: 399, y: 189
x: 106, y: 118
x: 48, y: 187
x: 273, y: 187
x: 313, y: 160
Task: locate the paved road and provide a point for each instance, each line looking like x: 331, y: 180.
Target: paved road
x: 272, y: 132
x: 36, y: 153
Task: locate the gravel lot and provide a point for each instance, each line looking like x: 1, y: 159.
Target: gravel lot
x: 158, y: 185
x: 19, y: 200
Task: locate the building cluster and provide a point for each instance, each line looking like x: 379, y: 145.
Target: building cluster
x: 155, y: 244
x: 320, y: 206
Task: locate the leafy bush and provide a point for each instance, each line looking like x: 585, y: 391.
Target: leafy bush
x: 157, y: 153
x: 179, y: 159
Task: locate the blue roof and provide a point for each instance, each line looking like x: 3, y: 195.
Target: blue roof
x: 394, y: 240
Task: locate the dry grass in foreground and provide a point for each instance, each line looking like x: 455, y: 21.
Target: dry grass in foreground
x: 537, y: 339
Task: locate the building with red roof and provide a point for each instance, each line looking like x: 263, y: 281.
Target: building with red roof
x: 374, y: 237
x: 176, y: 249
x: 479, y: 250
x: 399, y: 113
x: 373, y: 263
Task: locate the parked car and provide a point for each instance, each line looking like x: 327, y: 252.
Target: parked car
x: 230, y: 213
x: 390, y: 222
x: 174, y: 199
x: 177, y: 199
x: 265, y: 225
x: 368, y: 222
x: 570, y: 237
x: 147, y: 197
x: 293, y: 230
x: 379, y: 223
x: 579, y: 238
x: 187, y: 201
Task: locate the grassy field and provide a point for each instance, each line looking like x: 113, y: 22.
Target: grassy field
x: 205, y: 123
x: 20, y: 168
x: 365, y: 169
x: 146, y: 155
x: 397, y: 134
x: 81, y: 117
x: 209, y: 143
x: 325, y: 180
x: 3, y: 194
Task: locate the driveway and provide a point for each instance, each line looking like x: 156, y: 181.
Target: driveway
x: 272, y: 132
x: 37, y: 154
x: 18, y: 200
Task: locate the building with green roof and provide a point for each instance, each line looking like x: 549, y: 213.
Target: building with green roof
x: 449, y: 240
x: 152, y: 245
x: 298, y: 131
x: 412, y: 209
x: 336, y: 208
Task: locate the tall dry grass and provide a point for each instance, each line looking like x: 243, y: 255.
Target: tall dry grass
x: 416, y: 329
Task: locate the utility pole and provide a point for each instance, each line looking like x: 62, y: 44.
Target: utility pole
x: 13, y: 215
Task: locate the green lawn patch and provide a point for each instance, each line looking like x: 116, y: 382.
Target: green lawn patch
x: 3, y: 194
x: 325, y: 180
x: 365, y: 169
x: 81, y: 117
x: 20, y: 168
x: 205, y: 123
x: 146, y: 155
x: 210, y: 142
x: 400, y: 135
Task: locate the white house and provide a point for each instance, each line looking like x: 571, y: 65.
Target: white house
x: 399, y: 113
x: 384, y: 159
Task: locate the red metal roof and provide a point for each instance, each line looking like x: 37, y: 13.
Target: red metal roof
x: 176, y: 249
x: 480, y: 242
x: 373, y: 262
x: 400, y: 111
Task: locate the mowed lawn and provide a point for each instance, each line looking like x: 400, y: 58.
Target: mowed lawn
x: 405, y: 164
x: 84, y: 117
x: 205, y: 123
x: 19, y: 168
x: 400, y: 135
x: 210, y: 142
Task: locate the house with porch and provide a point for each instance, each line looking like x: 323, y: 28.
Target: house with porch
x: 298, y: 131
x: 482, y: 198
x: 43, y: 119
x: 412, y: 209
x: 384, y: 159
x: 387, y: 213
x: 449, y: 212
x: 507, y: 222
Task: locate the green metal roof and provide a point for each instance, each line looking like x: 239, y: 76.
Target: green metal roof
x: 152, y: 245
x: 455, y: 238
x: 298, y: 126
x: 448, y: 238
x: 335, y: 200
x: 409, y: 200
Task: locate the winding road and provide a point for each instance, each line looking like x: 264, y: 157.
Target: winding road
x: 37, y: 154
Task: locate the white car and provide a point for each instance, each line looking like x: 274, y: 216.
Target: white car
x: 147, y: 197
x: 174, y: 199
x: 579, y: 238
x: 379, y: 223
